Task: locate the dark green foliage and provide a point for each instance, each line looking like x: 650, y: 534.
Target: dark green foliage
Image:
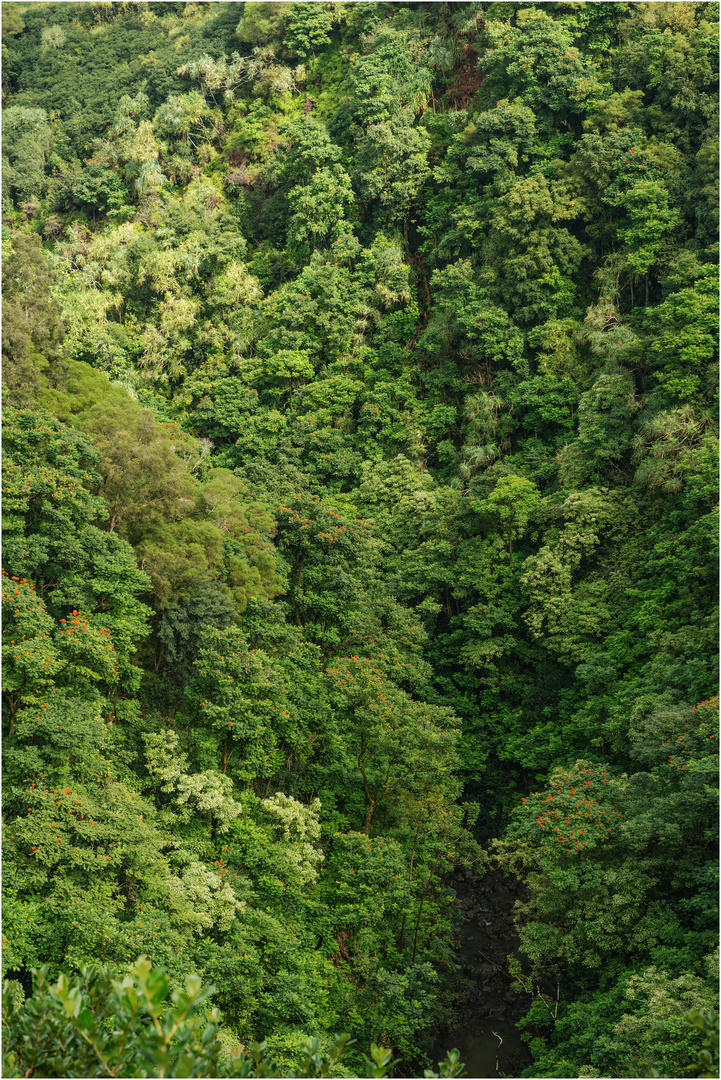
x: 361, y: 450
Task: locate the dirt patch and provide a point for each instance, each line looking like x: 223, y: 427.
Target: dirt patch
x: 468, y: 79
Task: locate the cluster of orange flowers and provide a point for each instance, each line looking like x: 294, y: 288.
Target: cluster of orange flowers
x: 570, y: 817
x: 706, y: 717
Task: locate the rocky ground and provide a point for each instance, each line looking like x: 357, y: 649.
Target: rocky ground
x: 485, y: 1031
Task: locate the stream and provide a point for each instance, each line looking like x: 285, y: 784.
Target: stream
x: 485, y: 1031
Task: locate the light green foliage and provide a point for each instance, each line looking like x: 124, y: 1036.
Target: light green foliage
x: 32, y: 321
x: 393, y: 75
x: 143, y: 478
x: 260, y: 70
x: 209, y: 792
x: 556, y: 610
x: 299, y: 827
x: 134, y: 148
x: 650, y: 220
x: 261, y: 22
x: 186, y: 118
x: 207, y: 901
x: 12, y: 22
x: 684, y: 348
x: 185, y: 531
x: 26, y: 141
x: 510, y: 504
x: 660, y: 1003
x: 706, y: 1021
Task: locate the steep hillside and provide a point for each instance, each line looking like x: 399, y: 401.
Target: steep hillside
x: 361, y: 446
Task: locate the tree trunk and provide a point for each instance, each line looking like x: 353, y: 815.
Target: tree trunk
x: 369, y: 815
x: 300, y: 576
x: 418, y: 923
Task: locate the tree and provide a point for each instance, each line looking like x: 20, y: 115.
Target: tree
x: 538, y: 63
x: 183, y: 530
x: 650, y: 221
x: 511, y: 503
x: 251, y: 706
x: 681, y: 371
x: 393, y: 74
x: 307, y: 29
x: 53, y: 535
x: 527, y: 243
x: 315, y: 313
x: 393, y: 166
x: 468, y: 326
x: 27, y: 140
x: 320, y: 207
x: 144, y: 479
x: 32, y: 320
x: 397, y: 742
x: 261, y: 23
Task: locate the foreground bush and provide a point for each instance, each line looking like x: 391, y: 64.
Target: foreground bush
x: 94, y: 1025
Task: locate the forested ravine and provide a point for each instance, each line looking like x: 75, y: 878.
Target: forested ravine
x: 360, y: 538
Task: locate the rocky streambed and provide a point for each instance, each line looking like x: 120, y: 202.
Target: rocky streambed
x: 484, y: 1030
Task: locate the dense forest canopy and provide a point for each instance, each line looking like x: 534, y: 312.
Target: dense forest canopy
x: 360, y: 484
